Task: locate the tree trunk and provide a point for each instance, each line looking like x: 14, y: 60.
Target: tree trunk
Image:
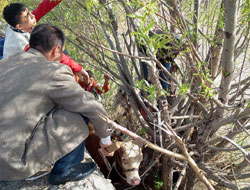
x: 227, y: 61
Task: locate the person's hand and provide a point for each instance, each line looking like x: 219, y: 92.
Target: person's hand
x: 104, y: 150
x: 106, y: 77
x: 91, y: 81
x: 83, y: 76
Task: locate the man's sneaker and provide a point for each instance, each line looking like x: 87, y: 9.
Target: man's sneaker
x: 77, y: 172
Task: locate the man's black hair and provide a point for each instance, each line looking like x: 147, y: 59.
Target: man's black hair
x: 46, y: 36
x: 12, y: 13
x: 90, y: 73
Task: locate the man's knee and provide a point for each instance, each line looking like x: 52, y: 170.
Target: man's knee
x: 66, y: 122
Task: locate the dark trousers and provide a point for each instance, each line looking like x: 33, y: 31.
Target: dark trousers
x: 63, y: 165
x: 2, y: 40
x: 163, y: 75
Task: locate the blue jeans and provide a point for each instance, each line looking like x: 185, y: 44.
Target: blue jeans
x: 2, y: 40
x: 63, y: 165
x: 163, y: 75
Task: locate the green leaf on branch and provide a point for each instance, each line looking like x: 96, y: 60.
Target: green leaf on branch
x: 158, y: 184
x: 226, y: 74
x: 149, y: 26
x: 141, y: 131
x: 88, y: 5
x: 184, y: 88
x: 134, y: 16
x: 248, y: 104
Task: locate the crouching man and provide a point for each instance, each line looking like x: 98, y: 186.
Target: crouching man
x: 42, y: 113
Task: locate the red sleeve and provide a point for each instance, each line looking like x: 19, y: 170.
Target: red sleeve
x: 106, y: 87
x: 66, y: 60
x: 44, y: 7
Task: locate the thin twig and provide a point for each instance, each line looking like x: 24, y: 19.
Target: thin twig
x: 182, y: 174
x: 187, y: 117
x: 246, y: 154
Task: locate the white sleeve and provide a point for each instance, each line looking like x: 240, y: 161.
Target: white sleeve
x: 106, y: 140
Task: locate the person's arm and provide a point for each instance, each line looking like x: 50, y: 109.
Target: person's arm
x: 83, y: 76
x: 106, y: 85
x: 64, y: 91
x: 105, y: 88
x: 76, y: 68
x: 66, y: 60
x: 96, y: 87
x: 44, y: 7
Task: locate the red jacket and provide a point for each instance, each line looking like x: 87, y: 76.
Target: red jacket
x: 43, y: 8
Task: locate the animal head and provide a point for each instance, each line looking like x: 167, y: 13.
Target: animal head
x: 130, y: 159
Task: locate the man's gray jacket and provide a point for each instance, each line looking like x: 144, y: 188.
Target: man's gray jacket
x: 40, y: 114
